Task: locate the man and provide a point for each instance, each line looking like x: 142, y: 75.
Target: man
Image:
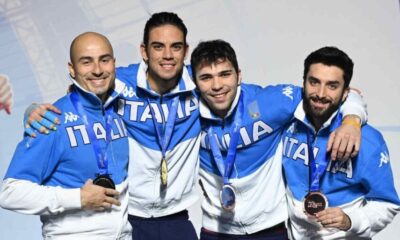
x: 76, y: 178
x: 160, y: 110
x: 360, y: 193
x: 163, y: 153
x: 5, y: 94
x: 240, y: 155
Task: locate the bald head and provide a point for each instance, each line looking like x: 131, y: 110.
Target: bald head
x: 85, y: 39
x: 92, y: 63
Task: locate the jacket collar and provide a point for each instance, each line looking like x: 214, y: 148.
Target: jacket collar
x: 91, y: 100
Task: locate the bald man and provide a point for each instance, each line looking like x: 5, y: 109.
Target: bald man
x: 76, y: 178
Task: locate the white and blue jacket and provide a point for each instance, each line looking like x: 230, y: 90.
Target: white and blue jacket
x: 47, y: 172
x: 146, y: 199
x: 362, y: 187
x: 257, y: 173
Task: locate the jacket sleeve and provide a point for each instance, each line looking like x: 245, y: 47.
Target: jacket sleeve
x: 372, y: 217
x: 381, y: 201
x: 33, y: 164
x: 355, y: 105
x: 31, y: 198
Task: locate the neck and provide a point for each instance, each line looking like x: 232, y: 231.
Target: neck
x: 161, y: 86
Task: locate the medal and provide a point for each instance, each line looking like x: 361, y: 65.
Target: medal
x: 164, y: 172
x: 102, y: 177
x: 104, y: 181
x: 164, y: 138
x: 227, y: 197
x: 314, y: 202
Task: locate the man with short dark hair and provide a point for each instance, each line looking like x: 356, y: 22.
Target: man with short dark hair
x: 326, y: 199
x: 241, y: 149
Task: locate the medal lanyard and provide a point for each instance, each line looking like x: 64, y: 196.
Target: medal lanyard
x: 317, y: 170
x: 225, y: 167
x: 101, y: 156
x: 163, y: 141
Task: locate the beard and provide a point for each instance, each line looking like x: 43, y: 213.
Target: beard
x: 320, y: 115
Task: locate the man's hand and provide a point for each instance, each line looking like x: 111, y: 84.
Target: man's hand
x: 334, y: 218
x: 345, y: 141
x: 5, y: 94
x: 40, y: 117
x: 98, y: 198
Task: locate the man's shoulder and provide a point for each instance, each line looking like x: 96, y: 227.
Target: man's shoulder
x: 123, y: 71
x: 371, y: 138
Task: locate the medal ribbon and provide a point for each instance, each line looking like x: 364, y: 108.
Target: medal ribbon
x: 163, y: 141
x: 317, y: 170
x: 101, y: 156
x: 225, y: 167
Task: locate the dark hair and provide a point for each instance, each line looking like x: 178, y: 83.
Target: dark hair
x: 210, y: 52
x: 160, y: 19
x: 331, y: 56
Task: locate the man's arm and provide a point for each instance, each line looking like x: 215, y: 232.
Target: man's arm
x: 30, y: 198
x: 345, y: 141
x: 381, y: 202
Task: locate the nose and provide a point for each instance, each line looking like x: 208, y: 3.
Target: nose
x: 321, y: 91
x: 216, y: 84
x: 97, y: 69
x: 167, y: 54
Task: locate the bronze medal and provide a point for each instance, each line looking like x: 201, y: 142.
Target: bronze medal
x: 314, y: 202
x: 104, y: 181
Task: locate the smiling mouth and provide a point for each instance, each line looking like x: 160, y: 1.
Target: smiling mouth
x: 167, y: 66
x: 220, y: 97
x: 319, y: 103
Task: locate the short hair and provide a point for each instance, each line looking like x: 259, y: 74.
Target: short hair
x: 213, y: 51
x: 331, y: 56
x: 160, y: 19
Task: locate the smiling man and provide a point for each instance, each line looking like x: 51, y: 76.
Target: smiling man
x: 326, y: 199
x: 76, y: 178
x: 241, y: 148
x: 159, y: 107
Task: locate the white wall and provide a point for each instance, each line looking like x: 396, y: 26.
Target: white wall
x: 272, y: 38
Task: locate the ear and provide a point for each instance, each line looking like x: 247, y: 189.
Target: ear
x: 345, y: 94
x: 143, y: 52
x: 71, y: 70
x: 239, y: 77
x: 186, y: 51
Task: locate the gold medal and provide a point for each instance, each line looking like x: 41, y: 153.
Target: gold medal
x: 164, y: 172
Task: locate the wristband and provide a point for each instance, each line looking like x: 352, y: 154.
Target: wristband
x: 351, y: 121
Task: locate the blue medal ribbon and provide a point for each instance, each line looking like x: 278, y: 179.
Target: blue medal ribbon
x: 225, y: 167
x: 101, y: 156
x: 163, y: 140
x: 317, y: 169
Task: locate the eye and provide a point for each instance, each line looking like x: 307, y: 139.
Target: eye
x: 312, y: 82
x: 157, y: 47
x: 226, y: 74
x: 177, y: 47
x: 204, y: 77
x: 332, y: 86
